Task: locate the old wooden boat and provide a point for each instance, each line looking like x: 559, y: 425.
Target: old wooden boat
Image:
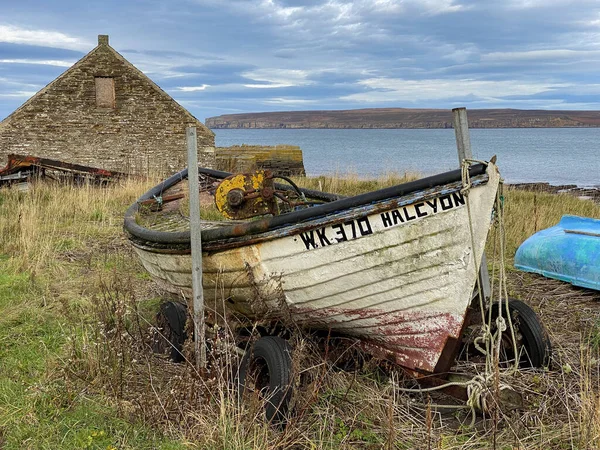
x: 568, y: 251
x: 395, y: 267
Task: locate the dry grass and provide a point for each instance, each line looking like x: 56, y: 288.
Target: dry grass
x: 70, y: 268
x: 349, y: 184
x: 529, y: 212
x: 52, y: 219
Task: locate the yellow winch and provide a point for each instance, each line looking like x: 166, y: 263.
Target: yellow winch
x: 246, y: 195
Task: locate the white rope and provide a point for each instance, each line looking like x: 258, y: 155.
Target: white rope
x: 479, y: 391
x: 503, y: 290
x: 486, y: 335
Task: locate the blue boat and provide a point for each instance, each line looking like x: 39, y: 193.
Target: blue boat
x: 568, y: 251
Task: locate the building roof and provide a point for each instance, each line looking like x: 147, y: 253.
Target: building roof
x: 103, y: 44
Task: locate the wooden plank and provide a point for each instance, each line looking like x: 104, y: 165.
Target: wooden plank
x: 196, y: 243
x: 461, y: 132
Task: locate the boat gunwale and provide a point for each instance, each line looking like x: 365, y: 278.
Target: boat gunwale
x: 329, y: 220
x: 236, y: 234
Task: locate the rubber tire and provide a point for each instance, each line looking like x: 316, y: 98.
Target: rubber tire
x: 537, y: 344
x: 172, y: 317
x: 271, y: 355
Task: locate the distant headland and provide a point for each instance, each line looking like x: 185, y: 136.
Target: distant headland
x: 407, y: 118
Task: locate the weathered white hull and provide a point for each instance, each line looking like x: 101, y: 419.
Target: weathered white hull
x: 401, y: 279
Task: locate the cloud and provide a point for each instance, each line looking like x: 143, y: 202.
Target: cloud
x: 540, y: 55
x: 333, y: 23
x: 164, y: 64
x: 280, y: 11
x: 330, y: 54
x: 42, y: 62
x: 435, y: 7
x: 415, y: 91
x: 289, y: 101
x: 277, y: 78
x: 170, y: 54
x: 18, y: 94
x: 7, y: 82
x: 43, y: 38
x: 267, y: 86
x: 192, y: 88
x: 532, y: 4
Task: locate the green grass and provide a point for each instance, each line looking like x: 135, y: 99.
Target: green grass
x: 45, y: 293
x: 39, y: 407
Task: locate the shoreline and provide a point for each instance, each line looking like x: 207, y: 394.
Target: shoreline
x: 584, y: 193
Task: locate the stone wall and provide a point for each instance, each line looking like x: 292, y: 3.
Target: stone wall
x: 281, y: 159
x: 144, y: 132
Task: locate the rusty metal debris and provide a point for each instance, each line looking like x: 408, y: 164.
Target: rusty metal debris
x: 246, y: 195
x: 20, y: 170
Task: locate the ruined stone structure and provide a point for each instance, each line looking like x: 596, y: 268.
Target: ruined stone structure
x: 280, y: 159
x: 103, y: 112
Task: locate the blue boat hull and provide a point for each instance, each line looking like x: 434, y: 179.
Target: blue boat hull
x: 569, y: 251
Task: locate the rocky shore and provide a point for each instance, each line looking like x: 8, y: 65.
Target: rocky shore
x: 589, y: 193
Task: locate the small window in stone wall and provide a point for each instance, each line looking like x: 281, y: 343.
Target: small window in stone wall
x: 105, y: 92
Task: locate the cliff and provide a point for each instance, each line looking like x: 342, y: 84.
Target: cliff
x: 407, y: 118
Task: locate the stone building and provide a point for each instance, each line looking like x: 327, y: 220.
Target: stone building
x: 103, y: 112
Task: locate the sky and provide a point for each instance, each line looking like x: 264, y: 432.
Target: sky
x: 224, y: 57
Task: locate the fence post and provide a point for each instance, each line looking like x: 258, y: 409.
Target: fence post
x: 463, y: 145
x: 196, y: 247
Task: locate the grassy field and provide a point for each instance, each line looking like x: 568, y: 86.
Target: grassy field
x: 77, y: 370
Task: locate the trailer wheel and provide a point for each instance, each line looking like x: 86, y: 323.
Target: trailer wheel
x: 266, y: 370
x: 533, y: 343
x: 171, y: 336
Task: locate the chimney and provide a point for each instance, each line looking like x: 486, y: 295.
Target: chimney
x: 103, y: 39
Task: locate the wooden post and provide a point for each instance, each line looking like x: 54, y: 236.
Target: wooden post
x: 461, y: 131
x: 463, y: 145
x: 196, y: 243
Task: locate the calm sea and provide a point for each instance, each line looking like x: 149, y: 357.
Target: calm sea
x: 554, y: 155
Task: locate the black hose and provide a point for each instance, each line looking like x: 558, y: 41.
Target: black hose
x: 289, y: 180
